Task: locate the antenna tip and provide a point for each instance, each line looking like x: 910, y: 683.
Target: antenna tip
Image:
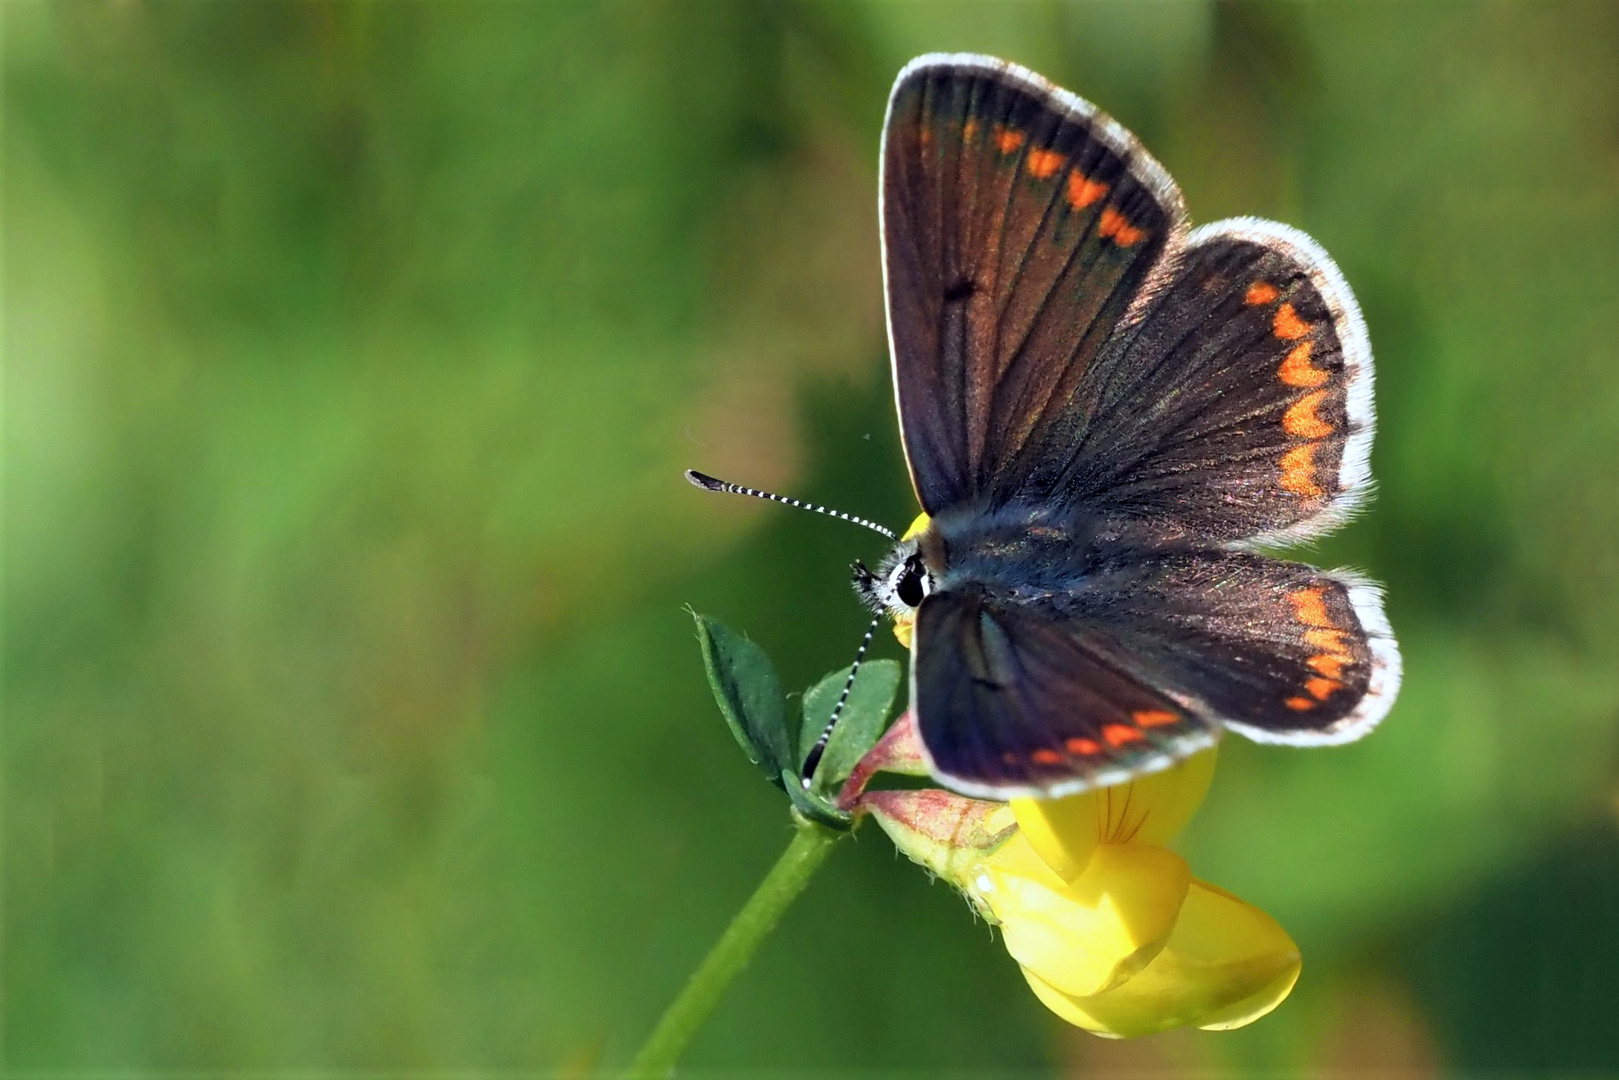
x: 703, y: 480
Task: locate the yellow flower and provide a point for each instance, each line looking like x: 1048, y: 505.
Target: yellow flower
x: 1112, y: 932
x: 1110, y: 928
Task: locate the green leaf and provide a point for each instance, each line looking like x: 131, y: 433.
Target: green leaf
x: 812, y: 804
x: 861, y: 723
x: 749, y: 694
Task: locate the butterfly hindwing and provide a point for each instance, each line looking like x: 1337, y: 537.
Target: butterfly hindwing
x: 1021, y: 227
x: 1277, y: 651
x: 1012, y: 699
x: 1239, y: 407
x: 1141, y: 662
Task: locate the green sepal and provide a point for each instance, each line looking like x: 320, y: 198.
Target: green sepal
x: 750, y: 697
x: 812, y: 804
x: 860, y: 724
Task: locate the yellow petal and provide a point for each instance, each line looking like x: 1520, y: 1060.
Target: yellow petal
x: 1150, y: 810
x: 1220, y: 916
x: 904, y: 626
x: 1226, y: 964
x: 1064, y: 832
x: 1093, y: 933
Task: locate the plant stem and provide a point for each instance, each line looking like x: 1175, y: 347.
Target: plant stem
x: 749, y: 927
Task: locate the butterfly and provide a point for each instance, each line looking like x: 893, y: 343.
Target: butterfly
x: 1109, y: 418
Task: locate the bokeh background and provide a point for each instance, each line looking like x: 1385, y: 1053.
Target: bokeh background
x: 353, y: 352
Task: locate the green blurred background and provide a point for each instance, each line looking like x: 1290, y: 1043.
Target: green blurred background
x: 352, y: 355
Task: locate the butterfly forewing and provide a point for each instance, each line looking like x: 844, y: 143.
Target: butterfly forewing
x: 1238, y: 408
x: 1020, y: 228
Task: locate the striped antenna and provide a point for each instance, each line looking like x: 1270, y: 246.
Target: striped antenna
x: 813, y: 760
x: 708, y: 483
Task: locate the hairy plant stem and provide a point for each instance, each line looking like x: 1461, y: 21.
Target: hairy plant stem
x: 809, y: 848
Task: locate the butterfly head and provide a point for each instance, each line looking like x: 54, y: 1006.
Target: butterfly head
x: 899, y: 583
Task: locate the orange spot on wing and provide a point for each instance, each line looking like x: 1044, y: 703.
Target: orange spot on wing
x: 1310, y: 606
x: 925, y: 137
x: 1296, y: 369
x: 1327, y: 664
x: 1287, y: 324
x: 1299, y: 704
x: 1117, y: 226
x: 1153, y: 717
x: 1007, y: 139
x: 1043, y: 756
x: 1298, y: 471
x: 1119, y: 734
x: 1083, y: 191
x: 1042, y: 163
x: 1332, y: 641
x: 969, y: 130
x: 1084, y: 746
x: 1301, y: 422
x: 1322, y: 689
x: 1260, y: 292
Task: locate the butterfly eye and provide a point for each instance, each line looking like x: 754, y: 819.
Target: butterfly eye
x: 910, y: 590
